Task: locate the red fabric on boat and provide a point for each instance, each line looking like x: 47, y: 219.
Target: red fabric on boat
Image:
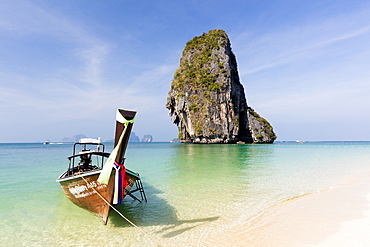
x: 124, y: 180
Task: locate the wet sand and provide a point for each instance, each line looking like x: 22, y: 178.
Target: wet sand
x: 334, y: 217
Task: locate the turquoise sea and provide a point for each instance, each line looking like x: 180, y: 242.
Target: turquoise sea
x: 194, y: 191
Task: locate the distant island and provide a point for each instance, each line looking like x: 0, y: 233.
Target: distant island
x: 75, y: 138
x: 133, y: 138
x: 207, y: 101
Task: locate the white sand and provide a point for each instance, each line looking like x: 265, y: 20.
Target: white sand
x: 334, y: 217
x: 352, y: 233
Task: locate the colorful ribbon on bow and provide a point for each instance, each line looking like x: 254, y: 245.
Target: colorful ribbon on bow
x: 112, y: 163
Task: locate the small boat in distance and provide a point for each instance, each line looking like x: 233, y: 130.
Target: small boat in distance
x: 96, y: 180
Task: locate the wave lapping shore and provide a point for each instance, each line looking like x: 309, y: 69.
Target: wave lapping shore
x: 338, y: 216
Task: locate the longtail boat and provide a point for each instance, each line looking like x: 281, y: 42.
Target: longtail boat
x: 96, y: 180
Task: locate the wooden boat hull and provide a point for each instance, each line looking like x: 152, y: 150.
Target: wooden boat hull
x: 85, y: 195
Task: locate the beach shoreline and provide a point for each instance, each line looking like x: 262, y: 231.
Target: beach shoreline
x: 339, y: 216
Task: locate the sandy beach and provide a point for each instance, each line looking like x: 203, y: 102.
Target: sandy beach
x: 337, y: 216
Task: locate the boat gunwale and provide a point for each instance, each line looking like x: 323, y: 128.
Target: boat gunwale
x: 88, y: 173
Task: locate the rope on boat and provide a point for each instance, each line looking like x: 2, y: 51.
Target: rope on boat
x: 129, y: 221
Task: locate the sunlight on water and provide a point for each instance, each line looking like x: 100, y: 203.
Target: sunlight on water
x: 194, y: 191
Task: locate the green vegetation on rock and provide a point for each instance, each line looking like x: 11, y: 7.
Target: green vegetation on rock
x: 194, y: 71
x: 267, y: 126
x: 207, y: 41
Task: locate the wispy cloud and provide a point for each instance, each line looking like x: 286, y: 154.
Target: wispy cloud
x: 84, y: 72
x: 94, y: 58
x: 297, y: 42
x: 156, y: 78
x: 318, y: 103
x: 27, y: 20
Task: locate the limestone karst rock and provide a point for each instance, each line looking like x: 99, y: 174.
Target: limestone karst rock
x: 207, y: 100
x: 147, y: 138
x: 133, y: 137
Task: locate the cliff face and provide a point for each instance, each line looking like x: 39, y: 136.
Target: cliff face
x: 260, y: 129
x: 207, y: 100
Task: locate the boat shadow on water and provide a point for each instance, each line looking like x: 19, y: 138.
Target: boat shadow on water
x: 156, y: 212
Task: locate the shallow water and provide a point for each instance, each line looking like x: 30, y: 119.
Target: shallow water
x: 194, y: 191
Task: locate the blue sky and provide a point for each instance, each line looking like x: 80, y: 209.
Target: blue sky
x: 66, y: 66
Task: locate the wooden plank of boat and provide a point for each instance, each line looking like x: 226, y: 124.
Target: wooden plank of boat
x: 85, y: 194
